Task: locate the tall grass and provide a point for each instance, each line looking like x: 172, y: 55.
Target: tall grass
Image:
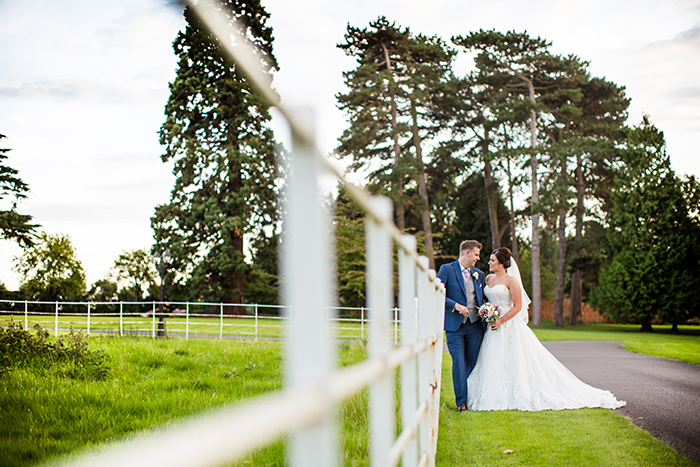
x: 149, y: 383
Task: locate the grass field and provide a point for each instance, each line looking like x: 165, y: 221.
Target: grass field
x: 180, y: 326
x: 683, y: 345
x: 583, y: 437
x: 157, y: 382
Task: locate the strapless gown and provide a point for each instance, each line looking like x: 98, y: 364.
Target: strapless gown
x: 514, y: 371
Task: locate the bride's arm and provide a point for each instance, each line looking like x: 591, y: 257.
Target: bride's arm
x: 517, y: 298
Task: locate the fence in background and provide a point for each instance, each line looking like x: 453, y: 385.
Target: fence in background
x: 180, y: 319
x: 306, y: 410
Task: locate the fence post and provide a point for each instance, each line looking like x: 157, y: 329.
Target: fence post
x: 424, y: 361
x: 396, y: 325
x: 221, y: 320
x: 153, y: 328
x: 409, y: 386
x: 121, y: 318
x: 437, y: 304
x: 55, y: 329
x: 26, y: 318
x: 306, y: 261
x: 187, y: 320
x: 88, y: 319
x: 256, y: 322
x: 362, y: 323
x: 379, y: 302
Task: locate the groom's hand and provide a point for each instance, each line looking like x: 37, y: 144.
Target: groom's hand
x: 463, y: 310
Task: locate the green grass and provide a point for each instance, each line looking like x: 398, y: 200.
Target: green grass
x: 683, y: 345
x: 200, y: 325
x: 583, y: 437
x: 151, y: 383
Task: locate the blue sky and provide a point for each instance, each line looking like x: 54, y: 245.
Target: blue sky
x: 83, y: 85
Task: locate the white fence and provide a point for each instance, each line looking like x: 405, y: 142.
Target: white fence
x: 180, y: 319
x: 306, y: 409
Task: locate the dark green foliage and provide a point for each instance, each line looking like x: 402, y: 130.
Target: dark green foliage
x: 216, y: 132
x: 470, y: 221
x: 262, y: 279
x: 67, y: 356
x: 349, y: 223
x: 652, y: 264
x: 396, y: 107
x: 13, y: 225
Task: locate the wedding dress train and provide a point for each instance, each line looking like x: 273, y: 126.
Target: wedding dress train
x: 514, y: 371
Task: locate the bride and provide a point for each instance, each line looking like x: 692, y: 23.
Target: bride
x: 514, y: 371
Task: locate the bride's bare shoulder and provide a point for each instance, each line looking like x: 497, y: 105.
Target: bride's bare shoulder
x: 489, y: 278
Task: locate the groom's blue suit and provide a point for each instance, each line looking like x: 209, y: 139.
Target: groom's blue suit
x: 463, y: 339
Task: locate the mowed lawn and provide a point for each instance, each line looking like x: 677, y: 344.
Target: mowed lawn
x: 584, y: 437
x: 158, y: 382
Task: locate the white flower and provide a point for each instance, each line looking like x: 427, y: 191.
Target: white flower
x: 476, y: 276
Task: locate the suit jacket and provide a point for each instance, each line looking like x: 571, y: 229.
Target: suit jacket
x: 451, y: 275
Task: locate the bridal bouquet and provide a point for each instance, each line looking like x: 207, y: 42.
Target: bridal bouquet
x: 489, y: 312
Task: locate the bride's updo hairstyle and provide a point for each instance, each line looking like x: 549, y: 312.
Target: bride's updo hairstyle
x: 503, y: 256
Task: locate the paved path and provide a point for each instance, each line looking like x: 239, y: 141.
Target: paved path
x: 663, y: 396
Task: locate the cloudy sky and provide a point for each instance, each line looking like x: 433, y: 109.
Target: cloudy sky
x: 83, y: 85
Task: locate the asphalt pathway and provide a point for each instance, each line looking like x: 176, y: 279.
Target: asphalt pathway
x: 663, y: 396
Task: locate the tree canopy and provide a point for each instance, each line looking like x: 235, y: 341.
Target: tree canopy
x: 50, y: 269
x: 216, y: 132
x: 652, y: 242
x: 13, y: 225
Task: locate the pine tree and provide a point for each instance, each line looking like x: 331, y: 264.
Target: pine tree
x: 393, y: 105
x: 652, y: 254
x: 216, y: 132
x: 13, y: 225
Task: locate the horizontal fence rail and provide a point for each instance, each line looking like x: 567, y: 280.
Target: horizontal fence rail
x: 306, y: 410
x: 187, y: 320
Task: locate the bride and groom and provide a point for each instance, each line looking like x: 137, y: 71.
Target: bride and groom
x: 502, y: 365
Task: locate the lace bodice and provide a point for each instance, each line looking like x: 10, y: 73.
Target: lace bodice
x: 499, y: 295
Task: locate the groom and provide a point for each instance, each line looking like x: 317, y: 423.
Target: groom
x: 464, y: 330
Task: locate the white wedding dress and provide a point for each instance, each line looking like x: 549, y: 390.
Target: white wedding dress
x: 514, y: 371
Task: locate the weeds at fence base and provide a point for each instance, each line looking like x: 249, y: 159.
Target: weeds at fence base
x: 67, y: 356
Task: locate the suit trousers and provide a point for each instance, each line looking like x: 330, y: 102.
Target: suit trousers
x: 464, y: 345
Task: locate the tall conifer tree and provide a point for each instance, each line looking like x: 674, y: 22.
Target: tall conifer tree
x: 216, y: 132
x: 394, y: 111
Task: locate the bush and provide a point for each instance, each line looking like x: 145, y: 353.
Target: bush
x: 68, y: 355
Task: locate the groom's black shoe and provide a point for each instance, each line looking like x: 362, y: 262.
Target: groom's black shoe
x: 461, y: 408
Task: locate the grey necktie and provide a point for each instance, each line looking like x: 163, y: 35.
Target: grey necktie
x: 469, y: 287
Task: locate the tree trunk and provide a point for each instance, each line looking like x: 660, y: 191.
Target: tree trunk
x: 233, y: 290
x: 236, y: 292
x: 534, y: 201
x: 490, y: 194
x: 575, y: 311
x: 514, y: 238
x: 400, y: 215
x: 561, y: 271
x: 422, y: 189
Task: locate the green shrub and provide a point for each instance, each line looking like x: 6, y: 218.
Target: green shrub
x: 67, y: 356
